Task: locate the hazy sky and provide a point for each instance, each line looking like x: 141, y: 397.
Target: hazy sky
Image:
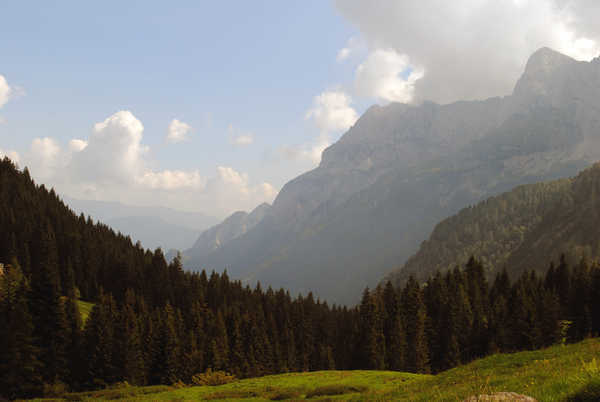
x: 213, y: 106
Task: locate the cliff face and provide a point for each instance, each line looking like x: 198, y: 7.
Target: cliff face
x: 381, y: 188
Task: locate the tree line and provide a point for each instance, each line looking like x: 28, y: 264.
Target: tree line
x: 154, y: 323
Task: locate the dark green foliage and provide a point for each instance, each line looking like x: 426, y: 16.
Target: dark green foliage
x: 153, y: 323
x: 523, y: 229
x: 19, y: 375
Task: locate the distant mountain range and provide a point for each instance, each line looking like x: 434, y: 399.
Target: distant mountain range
x: 152, y: 226
x: 379, y: 191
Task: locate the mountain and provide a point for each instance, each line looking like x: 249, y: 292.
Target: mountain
x: 379, y: 191
x: 526, y: 228
x: 234, y: 226
x: 152, y: 226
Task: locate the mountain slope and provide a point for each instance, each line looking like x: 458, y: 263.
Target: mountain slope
x: 382, y: 187
x: 234, y: 226
x: 525, y: 228
x: 152, y: 226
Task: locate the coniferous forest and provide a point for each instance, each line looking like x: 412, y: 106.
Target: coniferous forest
x: 153, y: 323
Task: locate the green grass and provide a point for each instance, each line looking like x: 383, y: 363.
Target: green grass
x: 85, y: 309
x: 559, y: 373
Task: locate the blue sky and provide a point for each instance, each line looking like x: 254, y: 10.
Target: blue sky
x: 263, y: 86
x: 253, y: 65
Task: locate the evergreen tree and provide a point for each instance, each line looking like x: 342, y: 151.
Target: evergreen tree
x: 50, y: 326
x: 19, y: 367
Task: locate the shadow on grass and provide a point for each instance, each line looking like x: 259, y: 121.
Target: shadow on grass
x: 590, y: 392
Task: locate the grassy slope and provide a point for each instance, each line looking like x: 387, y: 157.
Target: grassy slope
x: 551, y: 374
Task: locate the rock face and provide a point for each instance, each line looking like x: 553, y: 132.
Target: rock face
x: 379, y: 191
x: 234, y: 226
x: 501, y: 397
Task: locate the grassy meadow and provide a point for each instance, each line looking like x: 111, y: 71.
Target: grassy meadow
x: 559, y: 373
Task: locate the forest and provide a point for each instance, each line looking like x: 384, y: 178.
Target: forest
x: 154, y: 323
x: 525, y: 228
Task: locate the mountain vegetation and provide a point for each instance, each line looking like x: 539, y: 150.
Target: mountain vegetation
x: 152, y: 323
x: 381, y: 188
x: 559, y: 373
x: 523, y: 229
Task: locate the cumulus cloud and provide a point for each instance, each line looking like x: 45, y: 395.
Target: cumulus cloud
x: 331, y: 111
x: 178, y: 131
x: 45, y: 157
x: 113, y: 164
x: 387, y: 75
x: 114, y: 151
x: 77, y: 145
x: 5, y: 91
x: 465, y: 49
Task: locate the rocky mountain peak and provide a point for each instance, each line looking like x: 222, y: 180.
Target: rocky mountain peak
x: 545, y: 70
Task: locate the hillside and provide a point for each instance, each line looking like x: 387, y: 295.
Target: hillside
x: 525, y: 228
x: 379, y: 191
x: 559, y: 373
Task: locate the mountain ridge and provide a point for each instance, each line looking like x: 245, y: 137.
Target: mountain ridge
x: 379, y: 191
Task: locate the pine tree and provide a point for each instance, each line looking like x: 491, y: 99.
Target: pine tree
x: 50, y: 326
x: 19, y: 367
x: 417, y: 355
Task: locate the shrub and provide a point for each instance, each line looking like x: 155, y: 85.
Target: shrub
x: 212, y: 378
x: 335, y: 390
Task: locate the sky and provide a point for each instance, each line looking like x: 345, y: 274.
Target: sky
x: 213, y: 106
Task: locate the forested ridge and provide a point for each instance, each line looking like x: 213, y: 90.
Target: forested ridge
x: 153, y: 323
x: 522, y: 229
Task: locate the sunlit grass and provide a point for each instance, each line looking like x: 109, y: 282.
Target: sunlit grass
x: 558, y: 373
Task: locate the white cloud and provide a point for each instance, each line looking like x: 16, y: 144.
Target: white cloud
x: 178, y: 131
x: 353, y: 45
x: 310, y: 152
x: 113, y: 164
x: 230, y: 176
x: 45, y: 157
x: 12, y: 155
x: 77, y: 145
x: 269, y: 191
x: 172, y: 179
x: 387, y: 75
x: 114, y: 152
x: 331, y: 112
x: 469, y: 49
x: 5, y: 91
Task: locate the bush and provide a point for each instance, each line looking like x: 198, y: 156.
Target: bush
x: 335, y: 390
x: 212, y: 378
